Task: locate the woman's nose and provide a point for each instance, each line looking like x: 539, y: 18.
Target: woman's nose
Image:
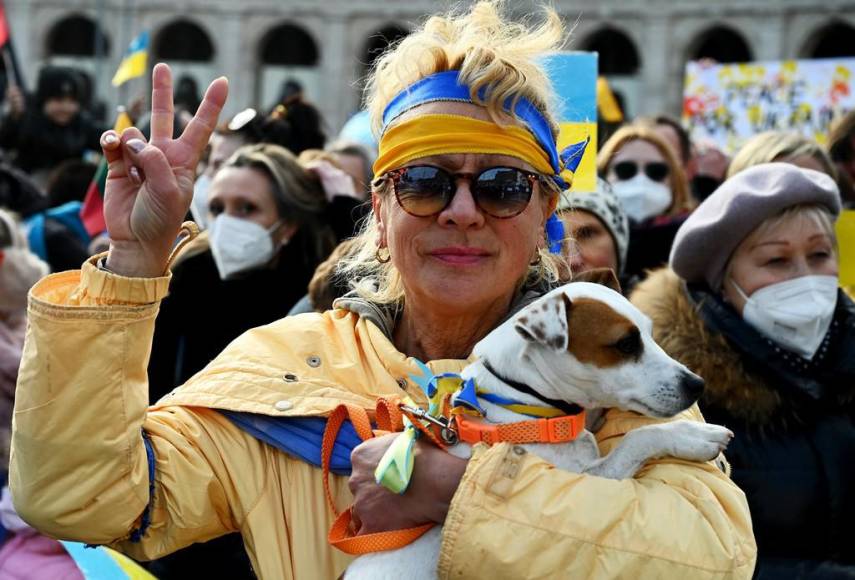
x: 575, y: 258
x: 462, y: 211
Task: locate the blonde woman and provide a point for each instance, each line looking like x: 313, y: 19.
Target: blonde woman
x: 785, y: 147
x: 651, y: 185
x: 454, y: 245
x: 751, y: 303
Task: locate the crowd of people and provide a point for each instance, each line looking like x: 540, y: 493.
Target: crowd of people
x: 164, y: 362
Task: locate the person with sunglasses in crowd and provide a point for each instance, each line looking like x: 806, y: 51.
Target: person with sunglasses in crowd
x: 650, y: 183
x: 467, y: 177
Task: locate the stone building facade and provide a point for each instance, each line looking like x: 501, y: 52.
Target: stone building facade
x: 326, y: 44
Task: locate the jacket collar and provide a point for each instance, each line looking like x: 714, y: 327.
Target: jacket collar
x: 745, y: 377
x: 810, y: 377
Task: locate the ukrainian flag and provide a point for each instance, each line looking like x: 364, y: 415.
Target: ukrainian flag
x: 574, y: 78
x: 135, y: 62
x: 102, y: 563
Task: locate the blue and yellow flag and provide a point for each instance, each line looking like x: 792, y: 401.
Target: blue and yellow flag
x: 135, y: 62
x: 574, y: 77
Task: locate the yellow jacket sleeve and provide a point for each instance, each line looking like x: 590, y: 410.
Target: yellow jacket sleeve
x: 516, y: 516
x: 79, y: 466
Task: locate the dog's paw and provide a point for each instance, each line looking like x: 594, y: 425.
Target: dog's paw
x: 697, y: 441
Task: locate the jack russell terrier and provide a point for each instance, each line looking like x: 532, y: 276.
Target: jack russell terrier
x: 584, y: 345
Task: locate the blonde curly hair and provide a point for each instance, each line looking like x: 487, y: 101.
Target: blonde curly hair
x: 779, y: 146
x: 491, y: 52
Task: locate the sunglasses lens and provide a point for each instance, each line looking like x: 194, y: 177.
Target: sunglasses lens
x: 625, y: 170
x: 423, y: 190
x: 657, y: 171
x: 502, y: 191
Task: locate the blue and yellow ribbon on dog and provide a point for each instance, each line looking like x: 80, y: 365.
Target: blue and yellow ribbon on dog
x: 395, y: 470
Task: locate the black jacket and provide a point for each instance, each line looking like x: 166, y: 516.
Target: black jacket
x: 38, y: 143
x: 203, y: 314
x: 794, y: 423
x: 649, y: 247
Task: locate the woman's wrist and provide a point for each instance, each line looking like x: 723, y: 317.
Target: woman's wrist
x: 131, y: 260
x: 436, y: 477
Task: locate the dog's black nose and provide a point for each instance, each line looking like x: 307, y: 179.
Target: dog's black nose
x: 692, y: 385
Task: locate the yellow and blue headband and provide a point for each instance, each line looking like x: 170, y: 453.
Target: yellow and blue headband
x: 446, y: 86
x: 439, y: 134
x: 400, y: 144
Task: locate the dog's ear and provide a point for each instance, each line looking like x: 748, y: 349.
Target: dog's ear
x: 603, y: 276
x: 545, y: 322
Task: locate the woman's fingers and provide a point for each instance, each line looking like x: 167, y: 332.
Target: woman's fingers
x: 199, y: 130
x: 129, y: 167
x: 111, y: 145
x: 147, y: 162
x: 162, y: 110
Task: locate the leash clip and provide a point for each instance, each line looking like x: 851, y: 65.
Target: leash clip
x: 447, y: 433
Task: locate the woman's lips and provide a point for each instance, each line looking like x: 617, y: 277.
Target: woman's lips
x: 460, y: 255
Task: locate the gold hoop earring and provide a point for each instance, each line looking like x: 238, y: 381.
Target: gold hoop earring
x: 380, y: 258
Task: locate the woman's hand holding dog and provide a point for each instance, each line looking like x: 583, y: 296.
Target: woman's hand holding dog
x: 436, y: 476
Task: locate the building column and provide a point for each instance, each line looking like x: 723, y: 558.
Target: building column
x: 769, y: 43
x: 657, y: 84
x: 236, y: 60
x: 336, y: 72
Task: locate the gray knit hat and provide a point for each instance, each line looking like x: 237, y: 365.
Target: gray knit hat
x: 604, y: 204
x: 706, y: 240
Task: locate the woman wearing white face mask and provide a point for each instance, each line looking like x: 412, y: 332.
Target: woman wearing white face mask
x: 652, y: 187
x: 267, y: 232
x: 752, y: 304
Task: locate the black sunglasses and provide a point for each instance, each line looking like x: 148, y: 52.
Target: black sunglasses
x: 655, y: 170
x: 425, y: 190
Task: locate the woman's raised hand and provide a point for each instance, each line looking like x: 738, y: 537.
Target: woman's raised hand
x: 150, y: 184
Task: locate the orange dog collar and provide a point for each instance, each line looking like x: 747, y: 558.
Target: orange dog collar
x: 555, y: 430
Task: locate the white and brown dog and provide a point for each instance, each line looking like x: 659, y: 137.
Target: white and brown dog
x: 581, y: 344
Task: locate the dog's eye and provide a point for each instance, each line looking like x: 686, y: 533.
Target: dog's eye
x: 629, y: 344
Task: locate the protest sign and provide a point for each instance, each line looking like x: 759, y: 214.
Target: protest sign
x: 730, y: 103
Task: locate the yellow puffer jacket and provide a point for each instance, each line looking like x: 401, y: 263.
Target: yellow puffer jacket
x: 79, y: 467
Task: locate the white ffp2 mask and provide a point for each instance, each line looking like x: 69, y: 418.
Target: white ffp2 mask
x: 642, y: 198
x: 239, y: 245
x: 795, y: 314
x: 199, y: 205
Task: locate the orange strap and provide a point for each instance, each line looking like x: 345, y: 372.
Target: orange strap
x: 342, y: 534
x: 556, y: 430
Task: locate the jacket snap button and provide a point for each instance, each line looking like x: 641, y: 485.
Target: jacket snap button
x: 290, y: 378
x: 283, y: 405
x: 314, y: 361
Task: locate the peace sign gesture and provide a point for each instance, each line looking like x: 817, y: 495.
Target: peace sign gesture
x: 150, y: 185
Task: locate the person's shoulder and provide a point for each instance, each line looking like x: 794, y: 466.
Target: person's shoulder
x: 310, y: 360
x: 659, y: 293
x: 310, y: 330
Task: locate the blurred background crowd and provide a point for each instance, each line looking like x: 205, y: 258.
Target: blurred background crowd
x: 288, y: 173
